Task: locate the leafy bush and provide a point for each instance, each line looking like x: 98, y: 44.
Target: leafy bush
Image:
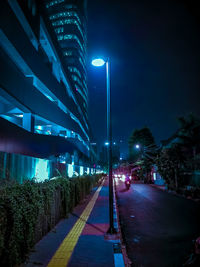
x: 170, y: 162
x: 29, y: 210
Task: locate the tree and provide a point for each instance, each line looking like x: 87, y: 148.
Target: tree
x: 146, y: 151
x: 170, y: 161
x: 144, y: 138
x: 189, y: 133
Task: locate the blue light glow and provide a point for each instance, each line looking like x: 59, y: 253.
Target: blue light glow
x: 70, y: 170
x: 106, y: 143
x: 19, y: 115
x: 98, y: 62
x: 88, y: 170
x: 38, y: 127
x: 81, y: 170
x: 137, y: 146
x: 41, y: 170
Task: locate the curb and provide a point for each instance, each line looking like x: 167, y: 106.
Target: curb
x: 120, y: 255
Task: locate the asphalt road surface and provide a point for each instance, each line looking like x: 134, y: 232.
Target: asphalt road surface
x: 157, y: 227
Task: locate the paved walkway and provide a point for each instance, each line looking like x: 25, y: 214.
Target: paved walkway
x: 79, y: 240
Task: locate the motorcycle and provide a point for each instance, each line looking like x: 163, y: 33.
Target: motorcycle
x: 127, y: 184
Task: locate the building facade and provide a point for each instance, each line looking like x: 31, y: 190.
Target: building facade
x: 43, y: 89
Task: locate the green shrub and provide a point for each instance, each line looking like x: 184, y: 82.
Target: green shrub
x: 29, y: 210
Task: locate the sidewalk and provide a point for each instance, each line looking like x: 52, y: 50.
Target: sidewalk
x: 79, y: 240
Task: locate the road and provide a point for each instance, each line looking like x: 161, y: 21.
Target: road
x: 157, y: 227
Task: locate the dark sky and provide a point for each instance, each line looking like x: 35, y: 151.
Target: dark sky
x: 155, y: 59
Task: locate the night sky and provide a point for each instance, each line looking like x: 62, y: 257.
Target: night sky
x: 154, y: 51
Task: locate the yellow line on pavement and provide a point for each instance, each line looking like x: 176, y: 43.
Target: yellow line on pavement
x: 64, y: 252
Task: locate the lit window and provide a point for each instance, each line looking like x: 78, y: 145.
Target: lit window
x: 75, y: 70
x: 69, y: 21
x: 68, y: 53
x: 71, y: 37
x: 60, y: 37
x: 55, y: 2
x: 65, y: 14
x: 59, y: 30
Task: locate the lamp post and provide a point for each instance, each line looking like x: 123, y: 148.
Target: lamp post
x: 98, y: 62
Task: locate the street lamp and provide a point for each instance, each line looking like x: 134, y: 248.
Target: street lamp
x: 98, y: 62
x: 137, y: 146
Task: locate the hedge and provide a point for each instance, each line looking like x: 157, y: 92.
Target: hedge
x: 29, y: 210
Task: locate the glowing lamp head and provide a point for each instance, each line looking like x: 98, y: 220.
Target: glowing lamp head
x: 98, y: 62
x: 137, y: 146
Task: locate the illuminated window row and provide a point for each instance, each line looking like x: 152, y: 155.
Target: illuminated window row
x: 74, y: 69
x: 76, y: 79
x: 79, y: 82
x: 68, y: 53
x: 70, y: 37
x: 65, y: 14
x: 59, y: 30
x: 80, y: 59
x: 69, y: 21
x: 55, y: 2
x: 66, y: 21
x: 63, y: 22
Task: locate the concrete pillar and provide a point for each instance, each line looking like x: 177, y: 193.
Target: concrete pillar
x: 54, y: 130
x: 4, y: 164
x: 76, y: 157
x: 28, y: 122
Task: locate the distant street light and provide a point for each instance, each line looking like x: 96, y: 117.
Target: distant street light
x: 98, y: 62
x: 137, y: 146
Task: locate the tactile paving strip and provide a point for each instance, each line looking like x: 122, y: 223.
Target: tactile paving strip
x: 64, y: 252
